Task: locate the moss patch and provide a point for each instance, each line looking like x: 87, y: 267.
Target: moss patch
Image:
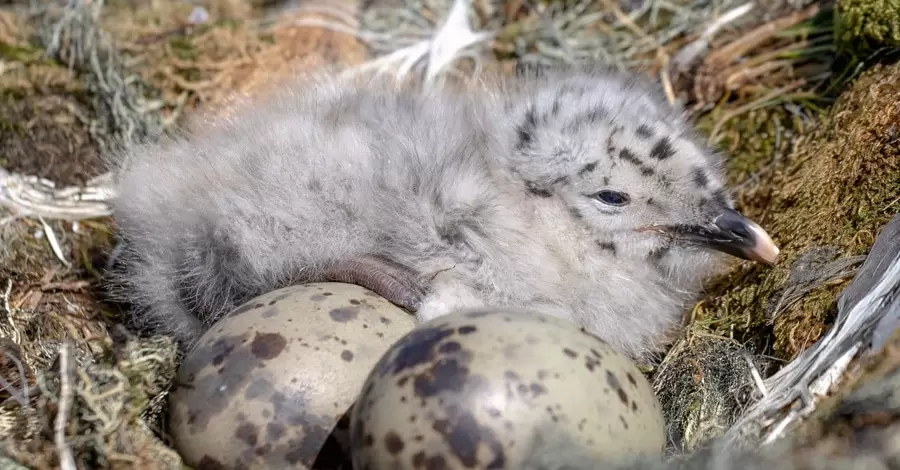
x: 45, y: 120
x: 867, y: 24
x: 834, y: 191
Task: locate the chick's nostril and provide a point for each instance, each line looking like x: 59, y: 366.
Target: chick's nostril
x: 734, y: 223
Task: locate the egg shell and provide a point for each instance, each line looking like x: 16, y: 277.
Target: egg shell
x: 267, y: 384
x: 500, y: 389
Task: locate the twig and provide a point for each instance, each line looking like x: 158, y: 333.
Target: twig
x: 16, y: 333
x: 54, y: 242
x: 66, y: 459
x: 754, y: 373
x: 25, y: 397
x: 736, y: 49
x: 29, y: 195
x: 688, y: 54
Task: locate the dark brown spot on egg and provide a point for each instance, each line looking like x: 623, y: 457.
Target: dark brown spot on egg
x: 553, y: 416
x: 247, y: 432
x: 344, y: 314
x: 570, y: 353
x: 269, y: 313
x: 538, y: 389
x: 591, y: 363
x: 450, y: 347
x: 347, y: 355
x: 209, y: 463
x: 267, y: 345
x: 257, y: 388
x: 192, y: 417
x: 416, y: 348
x: 624, y: 423
x: 224, y: 348
x: 384, y: 320
x: 327, y: 294
x: 446, y: 375
x: 631, y: 379
x: 274, y: 431
x: 393, y: 443
x: 613, y: 382
x: 465, y: 330
x: 354, y: 302
x: 435, y: 462
x: 468, y: 441
x: 634, y: 406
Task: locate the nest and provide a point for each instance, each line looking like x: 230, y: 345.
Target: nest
x: 812, y: 136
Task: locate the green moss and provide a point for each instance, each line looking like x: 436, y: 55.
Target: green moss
x: 751, y: 139
x: 866, y: 24
x: 183, y: 48
x: 835, y: 190
x: 18, y: 53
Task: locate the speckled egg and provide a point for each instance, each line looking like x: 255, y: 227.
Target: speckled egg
x: 271, y: 382
x: 502, y: 389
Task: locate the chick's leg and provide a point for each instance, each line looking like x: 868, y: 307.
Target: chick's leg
x: 397, y: 283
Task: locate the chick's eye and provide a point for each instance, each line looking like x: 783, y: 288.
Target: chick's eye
x: 612, y: 198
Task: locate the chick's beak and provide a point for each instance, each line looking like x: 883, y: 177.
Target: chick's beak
x: 731, y: 232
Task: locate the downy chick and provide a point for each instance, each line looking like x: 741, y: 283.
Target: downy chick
x: 574, y: 191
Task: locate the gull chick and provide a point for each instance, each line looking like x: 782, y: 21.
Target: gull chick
x: 576, y: 191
